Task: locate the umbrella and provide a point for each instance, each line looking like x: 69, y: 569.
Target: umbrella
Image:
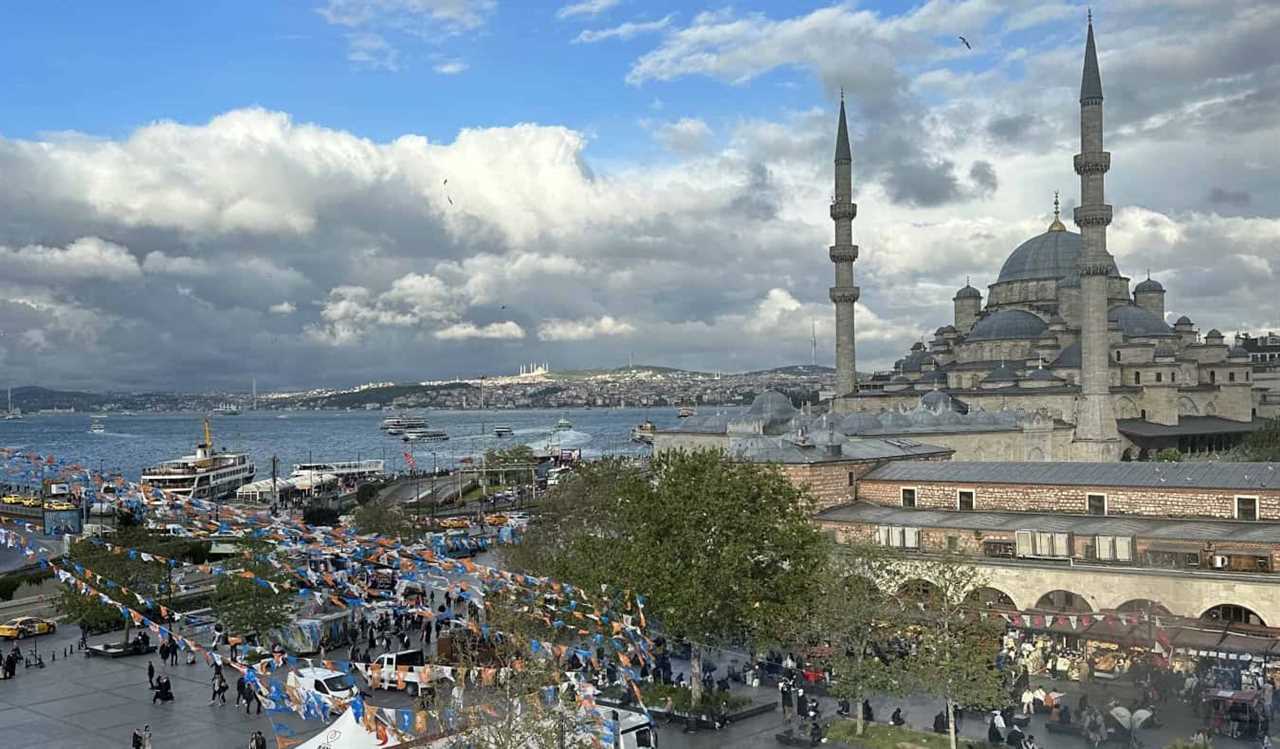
x: 1130, y: 721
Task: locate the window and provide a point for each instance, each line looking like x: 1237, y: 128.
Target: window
x: 1002, y: 549
x: 964, y: 500
x: 1043, y: 544
x: 1231, y: 376
x: 853, y: 478
x: 1113, y: 548
x: 898, y: 537
x: 1159, y: 376
x: 1246, y: 508
x: 1117, y: 356
x: 1137, y: 378
x: 1213, y: 376
x: 908, y: 497
x: 1143, y: 414
x: 1173, y: 377
x: 953, y: 544
x: 1096, y: 504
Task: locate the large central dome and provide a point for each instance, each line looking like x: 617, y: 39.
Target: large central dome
x: 1054, y: 254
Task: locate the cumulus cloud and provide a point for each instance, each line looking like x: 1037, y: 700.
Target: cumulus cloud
x: 686, y: 135
x: 506, y: 330
x: 85, y: 258
x: 283, y: 308
x: 373, y: 51
x: 158, y: 263
x: 583, y: 330
x: 586, y: 8
x: 623, y: 31
x: 450, y: 67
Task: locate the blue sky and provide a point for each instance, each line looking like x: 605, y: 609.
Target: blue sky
x: 626, y: 179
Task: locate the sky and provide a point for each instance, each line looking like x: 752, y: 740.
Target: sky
x: 332, y: 192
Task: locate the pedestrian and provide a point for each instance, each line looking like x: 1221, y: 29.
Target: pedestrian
x: 257, y: 741
x: 1028, y: 701
x: 240, y: 695
x: 135, y: 742
x: 250, y: 698
x: 896, y: 719
x: 151, y: 674
x: 784, y: 688
x: 867, y: 715
x: 219, y: 688
x: 146, y: 736
x: 173, y: 652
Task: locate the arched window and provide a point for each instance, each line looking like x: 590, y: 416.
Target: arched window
x: 1117, y: 356
x: 1137, y: 378
x: 1230, y: 612
x: 1064, y: 601
x: 1159, y: 376
x: 1213, y: 376
x: 1231, y: 376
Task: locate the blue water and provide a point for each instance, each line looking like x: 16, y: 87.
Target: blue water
x: 132, y: 443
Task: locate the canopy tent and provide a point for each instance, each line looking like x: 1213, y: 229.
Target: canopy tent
x: 347, y: 733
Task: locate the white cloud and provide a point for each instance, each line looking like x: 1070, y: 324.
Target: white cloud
x: 369, y: 50
x: 450, y: 67
x: 686, y: 136
x: 462, y: 331
x: 85, y: 258
x: 586, y: 8
x: 623, y: 31
x: 418, y: 16
x: 283, y: 308
x: 583, y: 330
x: 157, y: 262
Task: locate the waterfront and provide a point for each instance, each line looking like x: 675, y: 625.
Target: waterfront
x: 131, y: 443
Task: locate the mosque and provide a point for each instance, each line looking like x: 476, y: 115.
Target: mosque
x: 1062, y: 360
x: 1060, y: 339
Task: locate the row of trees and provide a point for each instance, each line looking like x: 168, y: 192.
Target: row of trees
x: 728, y: 557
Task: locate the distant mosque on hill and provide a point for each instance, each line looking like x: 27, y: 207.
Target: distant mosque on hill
x: 1089, y: 369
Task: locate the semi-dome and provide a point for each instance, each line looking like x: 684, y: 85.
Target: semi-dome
x: 1215, y: 333
x: 915, y: 361
x: 1136, y: 322
x: 1148, y: 285
x: 1008, y: 323
x: 1001, y: 373
x: 1054, y: 254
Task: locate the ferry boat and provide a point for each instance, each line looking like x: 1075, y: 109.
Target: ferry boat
x: 207, y: 474
x: 425, y: 435
x: 227, y: 409
x: 643, y: 432
x: 502, y: 430
x: 563, y: 425
x: 96, y: 426
x: 397, y: 425
x: 686, y: 411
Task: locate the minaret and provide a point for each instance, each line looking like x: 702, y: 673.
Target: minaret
x: 1095, y: 436
x: 843, y: 253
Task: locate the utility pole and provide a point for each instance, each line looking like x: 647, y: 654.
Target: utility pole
x: 275, y: 489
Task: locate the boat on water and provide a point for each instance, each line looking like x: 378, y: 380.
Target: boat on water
x: 227, y: 409
x: 643, y: 432
x: 12, y: 414
x: 206, y: 474
x: 425, y: 435
x: 502, y: 430
x: 563, y: 425
x: 97, y: 425
x: 398, y: 425
x: 686, y: 411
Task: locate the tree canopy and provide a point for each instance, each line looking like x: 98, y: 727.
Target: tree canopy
x: 245, y: 605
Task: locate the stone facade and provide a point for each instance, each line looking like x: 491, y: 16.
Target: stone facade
x: 1170, y: 502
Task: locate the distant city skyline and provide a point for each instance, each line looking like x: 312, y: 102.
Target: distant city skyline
x: 345, y: 191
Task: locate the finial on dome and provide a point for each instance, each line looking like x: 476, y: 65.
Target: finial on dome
x: 1057, y: 215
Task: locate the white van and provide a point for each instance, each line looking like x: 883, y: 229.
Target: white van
x: 329, y: 684
x: 389, y: 676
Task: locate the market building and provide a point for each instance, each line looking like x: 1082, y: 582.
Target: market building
x: 1060, y: 333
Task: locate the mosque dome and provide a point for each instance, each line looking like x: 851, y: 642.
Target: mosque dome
x: 1184, y: 320
x: 1238, y: 351
x: 968, y: 292
x: 1008, y: 323
x: 772, y: 405
x: 859, y: 423
x: 1137, y: 322
x: 1054, y: 254
x: 894, y: 420
x: 1148, y: 285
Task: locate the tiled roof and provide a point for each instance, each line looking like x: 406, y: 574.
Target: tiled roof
x: 1216, y: 475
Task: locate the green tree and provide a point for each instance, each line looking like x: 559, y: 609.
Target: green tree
x: 150, y: 579
x: 383, y: 519
x: 853, y: 617
x: 1263, y: 446
x: 956, y: 655
x: 724, y: 550
x: 1169, y: 455
x: 246, y: 606
x: 511, y: 465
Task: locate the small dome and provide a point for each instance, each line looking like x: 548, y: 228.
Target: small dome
x: 1008, y: 323
x: 1069, y: 357
x: 968, y: 292
x: 981, y: 416
x: 1215, y: 333
x: 773, y: 405
x: 936, y: 400
x: 915, y: 361
x: 894, y: 420
x: 1137, y: 322
x: 1184, y: 320
x: 947, y: 329
x: 1053, y: 254
x: 1238, y: 351
x: 1001, y: 373
x: 923, y: 417
x: 859, y: 423
x: 1148, y: 286
x: 949, y: 417
x: 1042, y: 375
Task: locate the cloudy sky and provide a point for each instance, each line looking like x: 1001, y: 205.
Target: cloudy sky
x: 338, y: 191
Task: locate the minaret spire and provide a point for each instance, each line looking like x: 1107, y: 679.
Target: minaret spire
x: 1096, y: 436
x: 1057, y: 215
x: 843, y: 252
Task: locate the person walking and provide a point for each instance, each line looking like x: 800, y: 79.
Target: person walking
x: 146, y: 736
x: 151, y: 674
x: 784, y: 687
x: 257, y: 741
x: 251, y: 697
x: 219, y: 689
x: 240, y: 695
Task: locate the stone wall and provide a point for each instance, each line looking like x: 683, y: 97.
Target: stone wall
x: 1164, y: 502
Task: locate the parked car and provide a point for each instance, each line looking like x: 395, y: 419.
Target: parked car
x: 26, y: 626
x: 332, y: 686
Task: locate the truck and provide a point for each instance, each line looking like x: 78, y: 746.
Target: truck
x: 389, y: 676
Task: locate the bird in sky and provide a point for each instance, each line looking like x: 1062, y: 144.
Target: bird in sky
x: 449, y: 199
x: 446, y: 181
x: 962, y: 39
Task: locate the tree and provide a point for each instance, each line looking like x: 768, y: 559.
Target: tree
x: 511, y: 465
x: 956, y: 654
x: 247, y: 606
x: 150, y: 579
x: 383, y: 519
x: 855, y: 618
x: 1169, y: 455
x: 1263, y: 446
x: 724, y: 550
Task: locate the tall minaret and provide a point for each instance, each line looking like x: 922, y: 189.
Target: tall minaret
x: 1095, y: 436
x: 843, y: 253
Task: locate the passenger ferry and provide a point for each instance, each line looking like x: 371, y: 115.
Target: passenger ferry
x: 563, y: 425
x: 208, y: 474
x: 686, y: 411
x: 643, y: 432
x: 397, y: 425
x: 502, y: 430
x: 425, y: 435
x: 96, y: 425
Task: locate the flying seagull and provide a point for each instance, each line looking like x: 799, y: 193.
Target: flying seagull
x: 966, y: 43
x: 449, y: 199
x: 446, y: 181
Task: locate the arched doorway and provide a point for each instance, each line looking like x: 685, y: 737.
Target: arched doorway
x: 916, y: 589
x: 991, y: 598
x: 1230, y: 613
x: 1063, y: 601
x: 1144, y: 606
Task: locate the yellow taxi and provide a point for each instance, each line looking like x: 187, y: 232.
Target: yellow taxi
x: 26, y: 626
x: 59, y: 506
x: 31, y: 501
x: 495, y: 520
x: 460, y: 522
x: 12, y: 499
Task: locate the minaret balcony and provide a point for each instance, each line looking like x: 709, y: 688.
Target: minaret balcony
x: 845, y: 294
x: 1093, y: 215
x: 844, y: 211
x: 844, y: 254
x: 1094, y: 162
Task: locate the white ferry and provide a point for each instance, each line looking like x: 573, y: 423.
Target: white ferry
x: 563, y: 425
x: 227, y: 409
x: 96, y: 425
x: 208, y: 474
x: 425, y: 435
x: 397, y: 425
x: 643, y: 432
x: 503, y: 430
